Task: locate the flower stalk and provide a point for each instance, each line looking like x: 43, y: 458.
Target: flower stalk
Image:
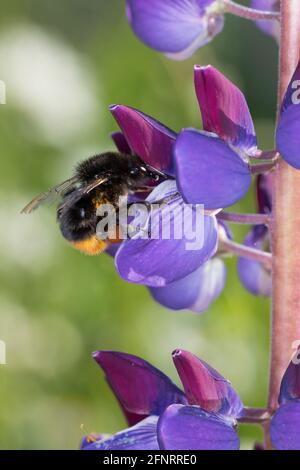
x: 249, y: 13
x: 255, y: 416
x: 285, y: 224
x: 246, y: 252
x: 264, y: 167
x: 246, y: 219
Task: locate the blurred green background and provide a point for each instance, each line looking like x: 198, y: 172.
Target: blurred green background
x: 63, y: 63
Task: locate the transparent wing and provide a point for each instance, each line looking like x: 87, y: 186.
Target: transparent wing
x: 51, y: 195
x: 80, y: 192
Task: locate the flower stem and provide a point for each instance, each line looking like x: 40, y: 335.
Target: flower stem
x: 247, y: 219
x: 285, y: 223
x: 246, y: 252
x: 262, y: 167
x: 249, y: 13
x: 266, y: 155
x: 255, y: 416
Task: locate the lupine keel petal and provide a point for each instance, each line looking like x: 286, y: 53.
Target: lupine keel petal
x: 196, y: 291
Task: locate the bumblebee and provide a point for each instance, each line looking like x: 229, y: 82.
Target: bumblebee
x: 101, y: 179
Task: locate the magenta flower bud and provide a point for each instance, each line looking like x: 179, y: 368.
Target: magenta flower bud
x: 205, y: 387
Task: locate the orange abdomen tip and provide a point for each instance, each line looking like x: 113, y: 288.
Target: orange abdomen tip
x: 91, y: 246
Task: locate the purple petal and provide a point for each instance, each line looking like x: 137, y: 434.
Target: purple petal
x: 285, y: 427
x: 288, y: 135
x: 196, y: 291
x: 292, y: 96
x: 148, y: 138
x: 140, y: 388
x: 288, y: 130
x: 208, y: 171
x: 264, y: 192
x: 90, y: 439
x: 253, y: 275
x: 268, y: 27
x: 205, y: 387
x: 168, y: 256
x: 113, y: 249
x: 224, y: 109
x: 190, y: 428
x: 175, y: 27
x: 290, y: 384
x: 121, y: 143
x: 142, y: 436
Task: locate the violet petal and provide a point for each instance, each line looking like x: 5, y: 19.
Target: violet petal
x: 142, y: 436
x: 196, y: 291
x: 288, y: 135
x: 290, y: 384
x: 121, y: 143
x: 90, y: 439
x: 292, y: 96
x: 253, y: 275
x: 175, y: 27
x: 208, y: 171
x: 271, y: 27
x: 190, y: 428
x: 168, y: 255
x: 285, y: 425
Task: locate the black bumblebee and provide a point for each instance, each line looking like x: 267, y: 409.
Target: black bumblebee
x: 98, y: 180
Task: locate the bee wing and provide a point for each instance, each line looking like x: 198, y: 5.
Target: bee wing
x: 89, y: 187
x: 80, y: 192
x: 50, y: 195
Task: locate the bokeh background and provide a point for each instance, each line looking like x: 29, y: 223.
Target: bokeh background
x: 63, y: 63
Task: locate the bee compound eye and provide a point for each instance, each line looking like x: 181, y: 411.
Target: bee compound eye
x: 134, y: 171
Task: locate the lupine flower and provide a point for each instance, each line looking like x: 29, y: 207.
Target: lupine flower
x: 288, y: 130
x: 268, y: 27
x: 254, y: 275
x: 162, y: 416
x: 210, y: 167
x: 165, y: 266
x: 285, y: 424
x: 175, y: 27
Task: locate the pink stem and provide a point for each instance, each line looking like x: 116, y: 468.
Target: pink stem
x: 255, y: 416
x: 246, y: 252
x: 249, y: 13
x: 262, y: 167
x: 248, y: 219
x: 285, y: 223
